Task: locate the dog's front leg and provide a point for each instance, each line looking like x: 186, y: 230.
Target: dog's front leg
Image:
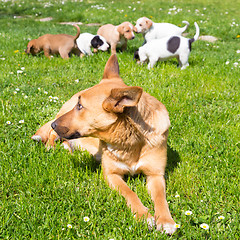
x: 116, y: 182
x: 114, y: 177
x: 156, y: 187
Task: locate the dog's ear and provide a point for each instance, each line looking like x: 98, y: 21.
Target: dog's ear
x: 121, y: 98
x: 149, y: 23
x: 29, y: 47
x: 94, y: 42
x: 111, y: 69
x: 120, y: 29
x: 135, y: 29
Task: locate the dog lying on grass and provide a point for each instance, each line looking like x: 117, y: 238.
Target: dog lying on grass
x: 128, y: 129
x: 117, y: 36
x: 166, y: 48
x: 50, y: 44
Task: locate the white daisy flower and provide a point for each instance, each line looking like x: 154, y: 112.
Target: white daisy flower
x: 86, y: 219
x: 177, y: 225
x: 69, y: 226
x: 204, y: 226
x: 21, y: 121
x: 221, y: 217
x: 188, y: 213
x: 8, y: 122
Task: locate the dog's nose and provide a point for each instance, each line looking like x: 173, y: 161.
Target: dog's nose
x: 133, y: 37
x: 53, y: 125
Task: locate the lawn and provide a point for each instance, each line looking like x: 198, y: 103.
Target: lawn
x: 48, y: 194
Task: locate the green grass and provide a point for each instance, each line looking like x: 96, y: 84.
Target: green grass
x: 44, y: 191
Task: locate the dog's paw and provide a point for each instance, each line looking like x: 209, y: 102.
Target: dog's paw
x: 151, y: 223
x: 36, y: 138
x: 167, y: 228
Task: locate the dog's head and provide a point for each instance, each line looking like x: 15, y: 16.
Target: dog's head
x: 99, y: 107
x: 127, y: 30
x: 100, y: 43
x: 143, y: 25
x: 32, y: 47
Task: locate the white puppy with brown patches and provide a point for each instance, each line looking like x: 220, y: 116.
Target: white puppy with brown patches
x: 152, y: 30
x: 166, y: 48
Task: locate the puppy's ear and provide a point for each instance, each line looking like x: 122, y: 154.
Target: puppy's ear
x: 121, y: 98
x: 120, y: 29
x: 149, y: 23
x: 135, y: 29
x: 111, y: 69
x: 29, y: 46
x: 94, y: 42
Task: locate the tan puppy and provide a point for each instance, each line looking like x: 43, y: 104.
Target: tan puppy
x: 130, y: 128
x: 117, y: 36
x: 62, y: 44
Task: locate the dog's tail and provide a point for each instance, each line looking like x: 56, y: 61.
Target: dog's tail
x: 195, y: 38
x: 78, y: 32
x: 185, y: 27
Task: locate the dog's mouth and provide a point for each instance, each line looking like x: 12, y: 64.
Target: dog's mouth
x: 74, y: 136
x: 64, y: 132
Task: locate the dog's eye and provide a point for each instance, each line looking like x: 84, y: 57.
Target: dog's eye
x: 140, y: 25
x: 79, y: 106
x: 128, y: 31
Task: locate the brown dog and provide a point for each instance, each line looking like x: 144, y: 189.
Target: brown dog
x: 128, y: 128
x: 117, y: 36
x: 62, y: 44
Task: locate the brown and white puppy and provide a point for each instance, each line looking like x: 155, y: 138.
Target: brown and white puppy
x: 152, y: 30
x: 62, y: 44
x: 128, y: 128
x: 117, y: 36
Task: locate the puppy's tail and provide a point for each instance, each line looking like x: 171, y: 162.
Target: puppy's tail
x: 185, y: 27
x: 78, y: 31
x: 195, y: 38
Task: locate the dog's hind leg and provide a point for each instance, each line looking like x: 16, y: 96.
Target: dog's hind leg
x: 43, y: 133
x: 64, y: 53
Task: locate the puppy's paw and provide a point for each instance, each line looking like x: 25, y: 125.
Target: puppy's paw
x: 167, y: 227
x: 37, y: 138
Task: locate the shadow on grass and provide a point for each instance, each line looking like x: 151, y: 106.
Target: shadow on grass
x: 83, y: 160
x: 173, y: 160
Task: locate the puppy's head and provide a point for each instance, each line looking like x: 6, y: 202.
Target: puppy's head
x: 32, y: 47
x: 126, y: 29
x: 100, y: 43
x: 143, y: 25
x: 99, y: 107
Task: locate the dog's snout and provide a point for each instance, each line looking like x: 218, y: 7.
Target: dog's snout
x: 133, y: 37
x: 53, y: 125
